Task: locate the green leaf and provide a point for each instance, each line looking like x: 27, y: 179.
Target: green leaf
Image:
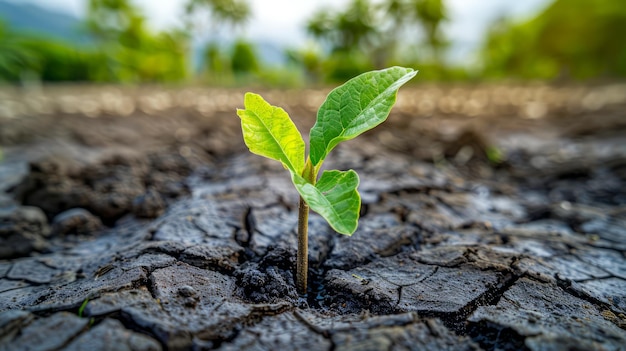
x: 334, y: 197
x: 357, y: 106
x: 268, y: 131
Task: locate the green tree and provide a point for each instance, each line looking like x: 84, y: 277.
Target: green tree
x: 403, y: 17
x: 244, y: 58
x: 430, y: 14
x: 350, y: 30
x: 214, y: 17
x: 134, y: 53
x: 220, y: 13
x: 367, y: 35
x: 110, y: 20
x: 308, y: 57
x: 350, y: 36
x: 569, y: 39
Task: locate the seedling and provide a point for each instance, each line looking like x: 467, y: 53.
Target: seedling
x: 349, y: 110
x: 81, y: 309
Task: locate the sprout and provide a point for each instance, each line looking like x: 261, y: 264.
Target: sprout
x: 349, y: 110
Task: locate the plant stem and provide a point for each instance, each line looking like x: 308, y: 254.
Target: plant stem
x: 302, y: 265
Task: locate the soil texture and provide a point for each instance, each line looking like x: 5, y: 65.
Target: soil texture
x: 493, y: 218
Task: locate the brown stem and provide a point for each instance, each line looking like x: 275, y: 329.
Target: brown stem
x: 302, y: 265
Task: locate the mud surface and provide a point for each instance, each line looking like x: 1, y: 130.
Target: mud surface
x: 494, y: 218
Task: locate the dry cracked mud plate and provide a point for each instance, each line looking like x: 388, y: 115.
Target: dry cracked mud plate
x: 147, y: 246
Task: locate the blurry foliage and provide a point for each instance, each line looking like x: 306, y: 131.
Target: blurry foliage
x: 223, y: 64
x: 352, y: 29
x: 309, y: 58
x: 343, y: 65
x: 124, y: 51
x: 220, y: 12
x: 237, y: 62
x: 429, y: 14
x: 244, y: 58
x: 368, y: 35
x: 15, y: 57
x: 282, y: 77
x: 133, y: 53
x: 57, y: 61
x: 216, y: 65
x: 570, y: 39
x: 27, y: 56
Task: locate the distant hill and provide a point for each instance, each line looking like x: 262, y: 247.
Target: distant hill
x: 41, y: 21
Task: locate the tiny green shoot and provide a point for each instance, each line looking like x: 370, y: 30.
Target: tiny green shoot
x: 494, y: 155
x: 349, y: 110
x: 81, y: 309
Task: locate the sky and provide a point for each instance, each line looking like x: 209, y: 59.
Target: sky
x: 282, y: 21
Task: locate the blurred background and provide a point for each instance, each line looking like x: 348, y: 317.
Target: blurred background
x: 283, y: 43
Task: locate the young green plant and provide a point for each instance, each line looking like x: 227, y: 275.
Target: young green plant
x: 355, y: 107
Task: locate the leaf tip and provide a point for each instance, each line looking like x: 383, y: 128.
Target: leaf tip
x: 249, y: 98
x: 349, y: 231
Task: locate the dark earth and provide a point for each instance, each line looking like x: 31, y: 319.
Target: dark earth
x: 493, y: 218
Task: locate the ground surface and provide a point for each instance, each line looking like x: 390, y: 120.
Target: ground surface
x: 494, y: 217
